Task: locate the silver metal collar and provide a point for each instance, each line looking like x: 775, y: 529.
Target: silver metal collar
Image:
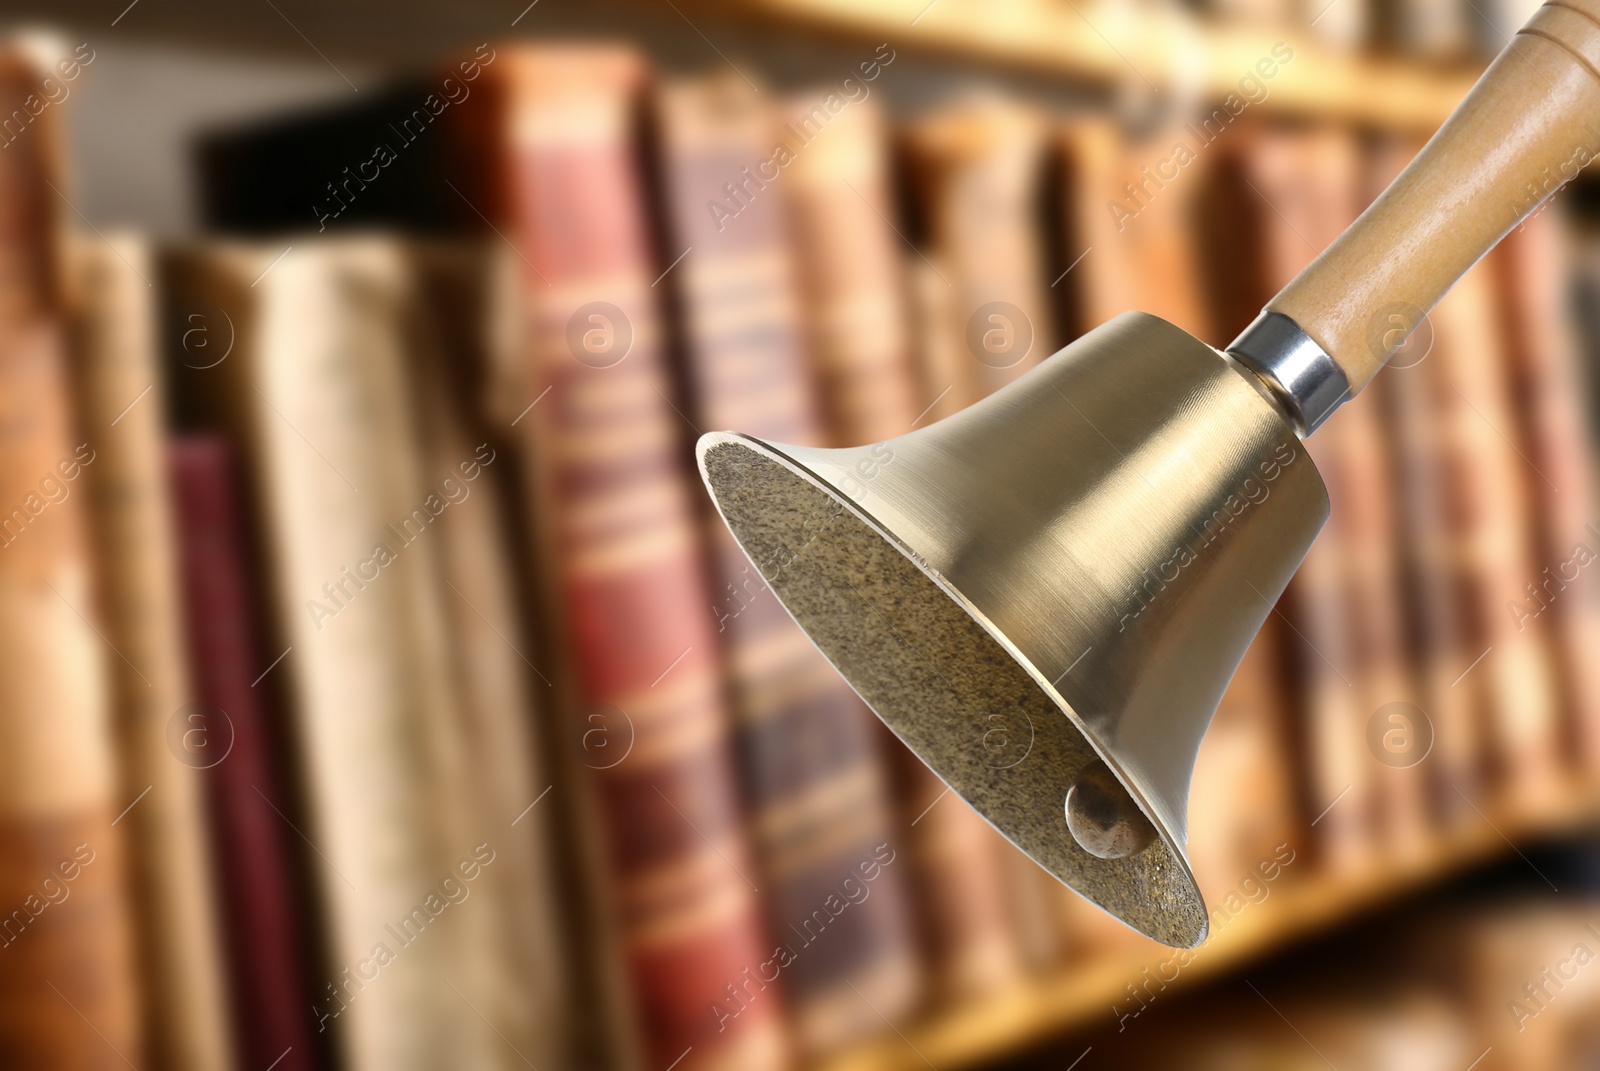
x: 1306, y: 381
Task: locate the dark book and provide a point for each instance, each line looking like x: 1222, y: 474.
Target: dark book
x: 228, y: 725
x: 818, y: 798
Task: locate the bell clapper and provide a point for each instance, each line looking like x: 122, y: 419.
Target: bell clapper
x: 1103, y: 818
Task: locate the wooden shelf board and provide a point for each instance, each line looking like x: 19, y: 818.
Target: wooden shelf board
x: 1083, y: 991
x: 1111, y: 44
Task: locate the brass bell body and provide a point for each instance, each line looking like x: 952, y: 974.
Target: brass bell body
x: 1064, y: 574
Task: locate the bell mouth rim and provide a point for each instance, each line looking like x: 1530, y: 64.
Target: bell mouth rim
x: 710, y: 440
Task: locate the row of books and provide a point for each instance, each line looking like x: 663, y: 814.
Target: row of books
x: 1429, y: 30
x: 1433, y: 32
x: 411, y: 709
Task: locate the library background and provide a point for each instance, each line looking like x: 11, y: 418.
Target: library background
x: 382, y: 693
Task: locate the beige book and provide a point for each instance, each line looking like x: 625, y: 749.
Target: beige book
x: 1132, y: 240
x: 940, y: 375
x: 517, y: 968
x: 977, y: 170
x: 121, y: 400
x: 850, y: 263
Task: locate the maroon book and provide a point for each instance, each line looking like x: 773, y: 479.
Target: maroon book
x: 616, y: 501
x: 272, y: 1008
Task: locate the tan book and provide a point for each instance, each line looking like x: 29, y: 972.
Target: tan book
x: 1487, y: 535
x: 1242, y: 799
x: 466, y: 298
x: 1131, y: 239
x: 1400, y: 732
x: 940, y: 372
x: 1439, y: 29
x: 316, y: 385
x: 1561, y: 602
x: 68, y: 995
x: 850, y: 263
x: 975, y: 171
x: 119, y: 389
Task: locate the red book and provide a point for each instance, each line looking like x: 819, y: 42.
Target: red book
x: 617, y: 504
x: 253, y: 862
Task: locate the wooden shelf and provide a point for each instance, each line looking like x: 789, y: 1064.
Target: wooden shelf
x: 1081, y: 994
x: 1110, y: 44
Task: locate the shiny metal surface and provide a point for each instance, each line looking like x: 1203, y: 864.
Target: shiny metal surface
x: 1307, y: 381
x: 1067, y: 572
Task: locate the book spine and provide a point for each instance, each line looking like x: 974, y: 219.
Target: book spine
x: 978, y: 172
x: 643, y: 653
x: 819, y: 805
x: 852, y: 280
x: 1547, y: 384
x: 519, y: 973
x: 1339, y: 796
x: 119, y: 389
x: 67, y: 992
x: 1436, y: 624
x: 1243, y: 801
x: 855, y: 280
x: 231, y: 745
x: 1399, y: 731
x: 1130, y: 239
x: 1487, y: 535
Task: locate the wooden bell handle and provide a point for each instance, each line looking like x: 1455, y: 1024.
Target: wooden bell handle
x: 1528, y: 125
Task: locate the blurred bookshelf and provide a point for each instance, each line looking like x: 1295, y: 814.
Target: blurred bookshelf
x: 1088, y: 994
x: 1196, y: 55
x: 1068, y: 96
